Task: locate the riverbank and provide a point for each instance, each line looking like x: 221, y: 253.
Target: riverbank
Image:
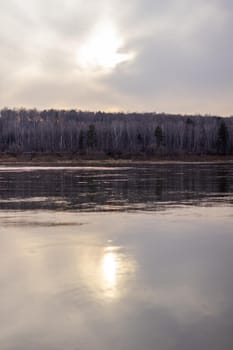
x: 77, y: 159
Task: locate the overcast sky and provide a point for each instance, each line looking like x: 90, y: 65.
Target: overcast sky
x: 132, y: 55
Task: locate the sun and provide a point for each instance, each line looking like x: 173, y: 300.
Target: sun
x: 101, y: 51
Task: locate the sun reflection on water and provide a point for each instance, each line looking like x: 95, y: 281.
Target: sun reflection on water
x: 116, y: 269
x: 107, y: 271
x: 110, y: 269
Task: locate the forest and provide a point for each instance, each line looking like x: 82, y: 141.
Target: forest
x: 100, y: 134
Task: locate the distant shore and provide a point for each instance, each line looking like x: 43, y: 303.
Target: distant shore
x: 78, y: 159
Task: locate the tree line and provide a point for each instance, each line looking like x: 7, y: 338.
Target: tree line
x: 113, y: 134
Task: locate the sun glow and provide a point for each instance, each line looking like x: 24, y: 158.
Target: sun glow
x: 101, y: 50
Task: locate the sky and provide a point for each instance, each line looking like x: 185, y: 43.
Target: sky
x: 172, y: 56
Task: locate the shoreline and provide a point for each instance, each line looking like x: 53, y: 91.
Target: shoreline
x: 34, y: 159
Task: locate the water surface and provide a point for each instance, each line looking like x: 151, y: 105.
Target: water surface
x: 136, y: 257
x: 143, y: 187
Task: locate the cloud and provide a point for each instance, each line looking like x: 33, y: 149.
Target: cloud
x: 183, y: 58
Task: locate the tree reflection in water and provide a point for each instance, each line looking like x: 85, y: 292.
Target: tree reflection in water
x: 135, y: 187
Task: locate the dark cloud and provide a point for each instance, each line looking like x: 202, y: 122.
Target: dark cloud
x: 189, y: 59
